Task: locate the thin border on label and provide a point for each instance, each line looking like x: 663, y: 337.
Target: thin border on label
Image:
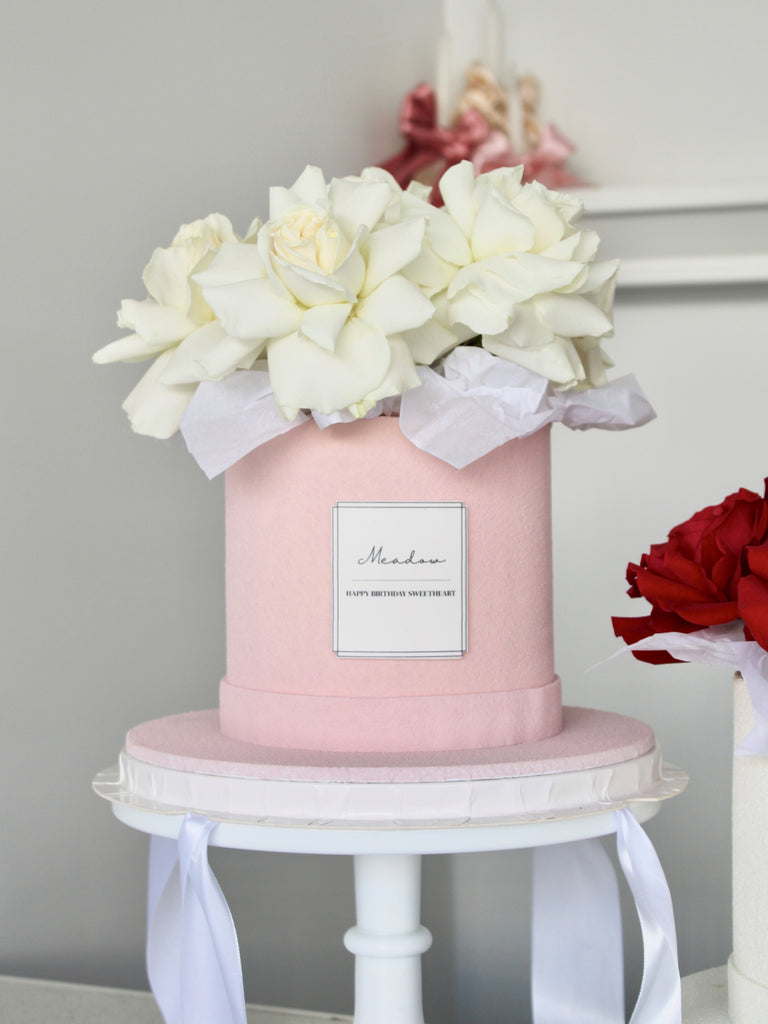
x: 404, y: 655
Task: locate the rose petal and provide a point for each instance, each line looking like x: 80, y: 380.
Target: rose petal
x: 253, y: 229
x: 508, y: 181
x: 165, y: 276
x: 154, y: 408
x: 568, y: 206
x: 457, y: 187
x: 305, y: 376
x: 160, y: 326
x: 548, y: 226
x: 757, y: 559
x: 526, y: 327
x: 280, y: 201
x: 599, y: 284
x: 476, y: 312
x: 420, y: 190
x: 355, y: 202
x: 310, y: 186
x: 209, y: 354
x: 400, y: 377
x: 558, y: 361
x: 431, y: 341
x: 311, y: 288
x: 571, y: 316
x: 588, y: 245
x: 130, y: 349
x: 631, y: 629
x: 525, y: 275
x: 390, y: 249
x: 562, y: 250
x: 431, y: 273
x: 251, y: 309
x: 233, y: 262
x: 753, y: 607
x: 396, y: 305
x: 708, y: 613
x: 594, y: 361
x: 488, y: 279
x: 211, y: 231
x: 499, y: 227
x: 323, y: 324
x: 443, y: 233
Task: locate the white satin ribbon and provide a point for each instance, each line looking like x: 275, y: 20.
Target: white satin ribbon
x: 576, y: 955
x: 193, y: 957
x: 577, y: 967
x: 659, y: 1000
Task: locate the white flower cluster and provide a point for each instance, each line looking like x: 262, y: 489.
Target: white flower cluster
x: 353, y: 283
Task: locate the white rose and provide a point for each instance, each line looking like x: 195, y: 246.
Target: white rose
x: 320, y: 290
x: 443, y: 251
x: 530, y: 285
x: 174, y: 325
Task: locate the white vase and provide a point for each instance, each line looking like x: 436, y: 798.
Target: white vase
x: 748, y: 964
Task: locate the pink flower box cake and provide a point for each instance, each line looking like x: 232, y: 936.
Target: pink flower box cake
x: 285, y: 686
x: 388, y: 578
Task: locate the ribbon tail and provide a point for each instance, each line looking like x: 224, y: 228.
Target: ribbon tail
x: 577, y: 969
x: 193, y: 956
x: 659, y: 1000
x: 164, y: 935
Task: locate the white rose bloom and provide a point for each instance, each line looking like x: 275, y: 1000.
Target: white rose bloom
x: 528, y: 282
x: 443, y: 251
x: 174, y: 325
x: 319, y: 290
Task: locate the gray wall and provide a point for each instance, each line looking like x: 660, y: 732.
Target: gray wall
x: 120, y: 123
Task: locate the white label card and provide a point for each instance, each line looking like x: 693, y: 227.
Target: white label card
x: 399, y: 579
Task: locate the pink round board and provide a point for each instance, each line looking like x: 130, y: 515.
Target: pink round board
x: 193, y: 742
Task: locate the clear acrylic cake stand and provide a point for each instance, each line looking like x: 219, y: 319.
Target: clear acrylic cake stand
x: 388, y: 939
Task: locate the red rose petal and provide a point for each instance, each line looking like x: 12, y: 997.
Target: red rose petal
x: 753, y: 607
x: 709, y: 614
x: 757, y: 559
x: 631, y: 629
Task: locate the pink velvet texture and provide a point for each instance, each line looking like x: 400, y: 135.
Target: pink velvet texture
x: 286, y: 687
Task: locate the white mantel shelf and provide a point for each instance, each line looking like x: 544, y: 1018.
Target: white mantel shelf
x: 691, y: 271
x: 640, y: 199
x: 682, y: 236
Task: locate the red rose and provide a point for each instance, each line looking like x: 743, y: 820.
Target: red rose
x: 692, y: 580
x: 753, y: 596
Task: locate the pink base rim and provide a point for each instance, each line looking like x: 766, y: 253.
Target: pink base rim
x: 193, y: 742
x: 452, y: 721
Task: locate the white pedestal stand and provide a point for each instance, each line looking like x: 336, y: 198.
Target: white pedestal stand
x: 575, y: 786
x: 388, y: 938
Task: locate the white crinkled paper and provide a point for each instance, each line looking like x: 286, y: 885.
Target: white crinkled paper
x: 227, y: 419
x: 724, y: 646
x: 503, y: 401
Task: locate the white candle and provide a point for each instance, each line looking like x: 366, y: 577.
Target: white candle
x: 493, y: 46
x: 443, y: 75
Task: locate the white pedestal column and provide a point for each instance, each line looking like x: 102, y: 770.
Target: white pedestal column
x: 388, y: 939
